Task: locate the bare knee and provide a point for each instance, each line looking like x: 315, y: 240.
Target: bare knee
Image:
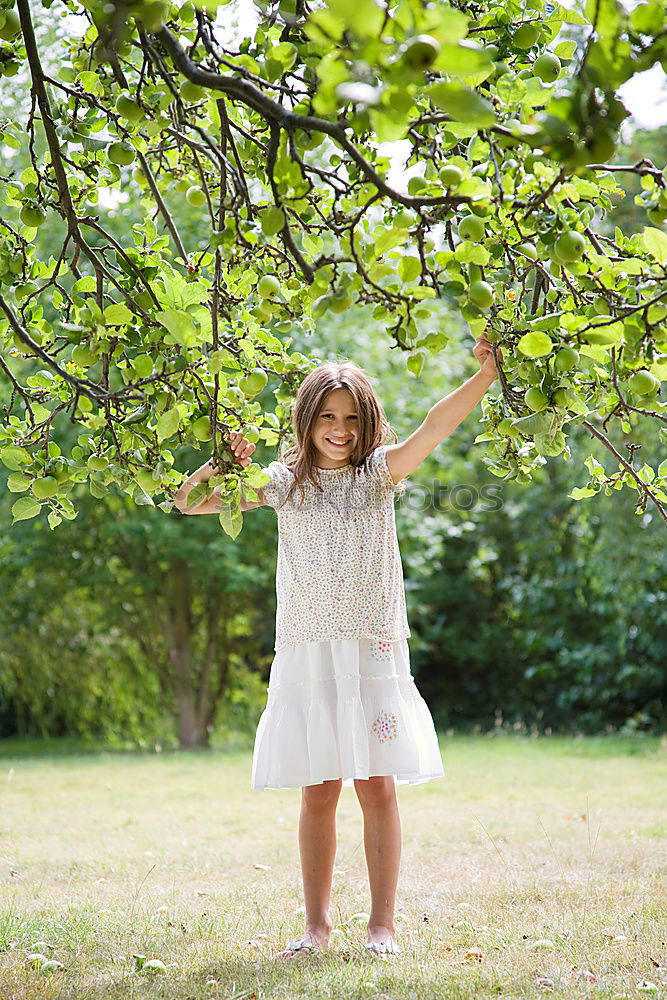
x: 375, y: 793
x: 323, y: 796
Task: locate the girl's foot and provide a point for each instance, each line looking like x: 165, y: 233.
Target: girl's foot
x: 313, y: 942
x: 381, y: 943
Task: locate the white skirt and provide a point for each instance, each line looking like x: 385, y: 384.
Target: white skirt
x: 344, y: 708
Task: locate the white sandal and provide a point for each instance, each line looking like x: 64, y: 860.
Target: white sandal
x: 383, y: 949
x: 299, y: 946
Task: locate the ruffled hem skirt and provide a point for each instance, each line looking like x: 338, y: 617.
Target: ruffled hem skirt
x: 344, y: 708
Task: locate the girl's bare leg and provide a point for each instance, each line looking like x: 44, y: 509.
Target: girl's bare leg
x: 382, y: 843
x: 317, y: 846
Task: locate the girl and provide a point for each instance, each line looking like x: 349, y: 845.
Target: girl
x: 342, y: 704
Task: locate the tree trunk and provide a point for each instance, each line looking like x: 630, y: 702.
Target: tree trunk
x: 191, y: 732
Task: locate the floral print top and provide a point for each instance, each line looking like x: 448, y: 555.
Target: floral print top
x: 339, y: 572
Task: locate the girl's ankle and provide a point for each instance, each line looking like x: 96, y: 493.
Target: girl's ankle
x: 320, y: 926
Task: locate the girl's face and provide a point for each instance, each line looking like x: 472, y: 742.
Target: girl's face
x: 336, y: 430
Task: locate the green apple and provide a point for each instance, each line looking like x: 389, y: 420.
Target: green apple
x: 51, y: 965
x: 603, y: 147
x: 45, y: 487
x: 657, y: 215
x: 253, y: 383
x: 547, y: 67
x: 154, y: 967
x: 191, y: 92
x: 600, y: 305
x: 145, y: 479
x: 32, y: 215
x: 129, y: 109
x: 416, y: 185
x: 525, y: 36
x: 121, y: 153
x: 83, y: 356
x: 471, y: 227
x: 11, y: 27
x: 97, y: 463
x: 340, y: 300
x: 480, y: 294
x: 451, y: 175
x: 202, y: 429
x: 569, y: 246
x: 643, y: 383
x: 528, y: 250
x: 421, y: 52
x: 566, y: 359
x: 10, y: 67
x: 195, y: 196
x: 536, y: 399
x: 404, y: 218
x: 506, y: 428
x: 268, y: 286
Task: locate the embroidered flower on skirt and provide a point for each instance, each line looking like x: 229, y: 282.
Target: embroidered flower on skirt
x: 385, y: 726
x: 381, y: 650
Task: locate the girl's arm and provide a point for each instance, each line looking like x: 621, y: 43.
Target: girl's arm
x: 443, y: 418
x: 242, y: 450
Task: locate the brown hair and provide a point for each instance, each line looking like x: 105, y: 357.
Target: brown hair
x: 373, y: 427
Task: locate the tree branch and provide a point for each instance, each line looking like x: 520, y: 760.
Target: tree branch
x: 626, y: 465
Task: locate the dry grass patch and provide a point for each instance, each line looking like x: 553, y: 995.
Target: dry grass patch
x: 534, y: 867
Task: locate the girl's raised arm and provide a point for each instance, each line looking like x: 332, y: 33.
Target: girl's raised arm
x: 445, y: 416
x: 242, y: 450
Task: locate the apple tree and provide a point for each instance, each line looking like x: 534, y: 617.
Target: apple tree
x: 508, y: 117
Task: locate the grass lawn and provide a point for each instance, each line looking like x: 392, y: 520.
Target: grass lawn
x: 535, y: 867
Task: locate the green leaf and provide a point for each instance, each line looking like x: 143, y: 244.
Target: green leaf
x: 535, y: 345
x: 565, y: 50
x: 387, y: 125
x: 25, y: 508
x: 550, y: 444
x: 416, y: 362
x: 285, y: 53
x: 17, y: 482
x: 409, y: 268
x: 387, y: 239
x: 364, y: 18
x: 462, y: 103
x: 181, y: 326
x: 85, y: 284
x: 231, y: 519
x: 168, y: 423
x: 580, y: 493
x: 14, y: 458
x: 197, y: 495
x: 648, y: 18
x: 54, y: 519
x: 273, y: 220
x: 117, y: 315
x: 472, y: 253
x: 655, y: 242
x: 535, y: 423
x: 463, y: 59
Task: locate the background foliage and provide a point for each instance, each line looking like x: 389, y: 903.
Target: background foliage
x: 188, y: 223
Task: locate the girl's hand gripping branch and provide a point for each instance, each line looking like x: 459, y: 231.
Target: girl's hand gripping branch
x: 241, y: 450
x: 483, y: 351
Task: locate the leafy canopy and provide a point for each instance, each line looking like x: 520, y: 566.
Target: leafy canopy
x: 264, y: 200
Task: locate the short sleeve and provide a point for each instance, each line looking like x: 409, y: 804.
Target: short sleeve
x: 280, y: 480
x: 378, y: 470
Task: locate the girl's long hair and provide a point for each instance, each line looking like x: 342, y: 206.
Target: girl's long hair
x: 373, y: 427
